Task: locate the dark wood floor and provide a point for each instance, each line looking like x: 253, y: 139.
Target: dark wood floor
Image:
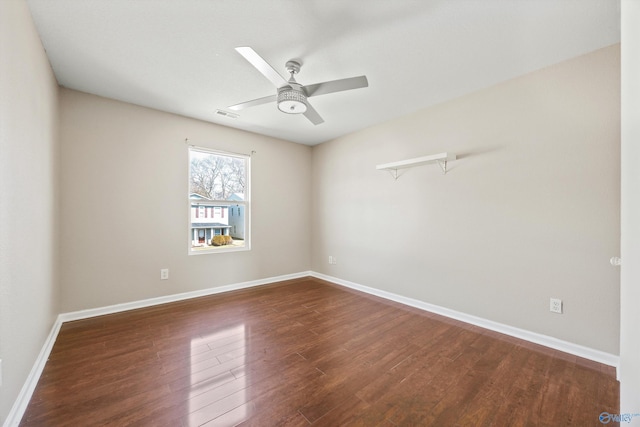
x: 305, y: 352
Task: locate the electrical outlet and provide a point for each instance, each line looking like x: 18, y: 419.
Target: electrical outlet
x: 0, y: 372
x: 330, y: 259
x: 333, y: 260
x: 164, y: 274
x: 555, y: 305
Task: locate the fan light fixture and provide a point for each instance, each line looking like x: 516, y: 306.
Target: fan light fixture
x: 291, y: 101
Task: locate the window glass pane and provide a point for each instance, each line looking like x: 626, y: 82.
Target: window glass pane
x: 217, y: 177
x: 217, y: 188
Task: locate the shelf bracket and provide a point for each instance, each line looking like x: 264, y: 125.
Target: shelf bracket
x: 394, y: 173
x: 443, y: 165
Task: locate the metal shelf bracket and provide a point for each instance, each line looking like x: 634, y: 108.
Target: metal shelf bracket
x: 443, y: 165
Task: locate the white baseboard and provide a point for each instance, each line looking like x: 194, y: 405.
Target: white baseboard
x: 117, y: 308
x: 20, y: 405
x: 547, y: 341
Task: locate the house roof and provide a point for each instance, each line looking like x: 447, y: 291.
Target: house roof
x: 196, y: 196
x: 209, y: 225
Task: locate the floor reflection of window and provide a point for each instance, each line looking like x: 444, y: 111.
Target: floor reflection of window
x: 218, y: 380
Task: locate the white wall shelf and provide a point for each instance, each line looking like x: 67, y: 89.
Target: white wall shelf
x: 441, y: 159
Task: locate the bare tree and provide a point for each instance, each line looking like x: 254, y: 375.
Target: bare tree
x: 217, y: 177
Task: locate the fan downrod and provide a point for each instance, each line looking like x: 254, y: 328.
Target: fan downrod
x: 293, y: 66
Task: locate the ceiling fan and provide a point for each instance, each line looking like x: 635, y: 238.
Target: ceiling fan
x: 291, y: 96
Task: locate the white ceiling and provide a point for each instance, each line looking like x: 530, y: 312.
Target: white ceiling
x: 178, y: 55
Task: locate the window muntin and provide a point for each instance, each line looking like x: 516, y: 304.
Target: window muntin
x: 218, y: 187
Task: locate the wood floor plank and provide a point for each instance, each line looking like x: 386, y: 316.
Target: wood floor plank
x: 306, y: 352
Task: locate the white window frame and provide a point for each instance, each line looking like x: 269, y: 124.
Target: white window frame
x: 246, y: 203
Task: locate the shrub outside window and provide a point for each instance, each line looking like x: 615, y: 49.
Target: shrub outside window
x: 219, y: 210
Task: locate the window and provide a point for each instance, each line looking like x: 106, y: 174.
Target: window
x: 218, y: 185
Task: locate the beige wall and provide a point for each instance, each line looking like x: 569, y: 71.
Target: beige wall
x: 124, y: 210
x: 528, y: 212
x: 28, y: 193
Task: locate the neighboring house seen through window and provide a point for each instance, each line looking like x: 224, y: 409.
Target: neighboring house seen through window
x: 218, y: 201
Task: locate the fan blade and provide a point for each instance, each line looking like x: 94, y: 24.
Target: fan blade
x: 313, y: 115
x: 336, y: 86
x: 259, y: 101
x: 262, y: 66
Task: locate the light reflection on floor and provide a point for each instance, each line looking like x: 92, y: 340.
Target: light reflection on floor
x: 209, y: 376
